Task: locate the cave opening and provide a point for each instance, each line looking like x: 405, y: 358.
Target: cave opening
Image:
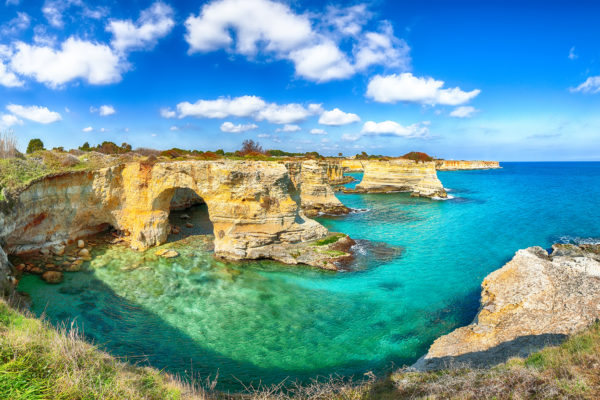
x: 188, y: 215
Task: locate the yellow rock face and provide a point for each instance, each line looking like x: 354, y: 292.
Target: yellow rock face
x: 419, y: 178
x: 533, y: 301
x: 351, y: 165
x: 251, y: 204
x: 312, y: 180
x: 456, y: 165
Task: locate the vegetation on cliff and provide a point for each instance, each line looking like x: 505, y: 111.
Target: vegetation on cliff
x: 38, y: 361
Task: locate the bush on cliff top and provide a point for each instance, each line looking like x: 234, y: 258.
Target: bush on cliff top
x: 417, y: 156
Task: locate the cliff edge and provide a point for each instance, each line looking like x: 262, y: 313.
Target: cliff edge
x: 533, y: 301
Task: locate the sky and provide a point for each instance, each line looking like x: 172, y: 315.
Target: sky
x: 499, y: 80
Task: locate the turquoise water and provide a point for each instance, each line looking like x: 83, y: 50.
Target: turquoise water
x: 264, y: 321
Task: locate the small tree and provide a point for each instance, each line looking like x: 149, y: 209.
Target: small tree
x: 249, y: 146
x: 85, y: 147
x: 35, y: 145
x: 340, y: 154
x: 220, y: 152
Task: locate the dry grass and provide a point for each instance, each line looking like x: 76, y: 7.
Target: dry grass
x: 40, y: 362
x: 8, y: 144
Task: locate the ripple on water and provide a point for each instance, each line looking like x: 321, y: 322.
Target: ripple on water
x: 266, y: 321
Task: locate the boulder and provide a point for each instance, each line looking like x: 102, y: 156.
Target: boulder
x: 52, y: 277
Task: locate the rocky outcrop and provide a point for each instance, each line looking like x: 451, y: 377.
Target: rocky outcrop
x: 534, y: 300
x: 5, y: 274
x: 253, y: 206
x: 457, y: 165
x: 311, y: 179
x: 353, y: 165
x: 335, y: 172
x: 418, y: 178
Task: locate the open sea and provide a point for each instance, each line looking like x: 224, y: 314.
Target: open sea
x: 421, y: 263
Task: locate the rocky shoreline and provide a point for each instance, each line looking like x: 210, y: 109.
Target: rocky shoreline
x: 535, y: 300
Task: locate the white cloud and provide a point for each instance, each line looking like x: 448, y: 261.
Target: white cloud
x: 76, y: 59
x: 244, y: 106
x: 263, y: 135
x: 285, y: 113
x: 591, y: 85
x: 153, y: 24
x: 106, y: 110
x: 16, y: 25
x: 463, y: 112
x: 54, y: 10
x: 7, y: 120
x: 392, y: 128
x: 254, y: 21
x: 350, y: 138
x: 317, y: 131
x: 408, y: 88
x: 8, y: 78
x: 289, y: 128
x: 34, y: 113
x: 572, y: 54
x: 337, y: 117
x: 382, y: 48
x: 174, y: 128
x: 167, y: 113
x: 12, y: 2
x: 322, y: 62
x: 272, y: 28
x: 87, y: 129
x: 239, y: 128
x: 223, y: 107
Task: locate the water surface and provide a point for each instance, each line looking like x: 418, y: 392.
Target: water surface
x: 266, y: 321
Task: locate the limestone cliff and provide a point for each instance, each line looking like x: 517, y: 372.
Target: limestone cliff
x: 311, y: 178
x: 252, y: 205
x: 534, y: 300
x: 456, y: 165
x: 335, y: 172
x: 352, y: 165
x: 398, y: 175
x: 5, y: 273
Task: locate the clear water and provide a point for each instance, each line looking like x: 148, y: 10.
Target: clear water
x: 264, y: 321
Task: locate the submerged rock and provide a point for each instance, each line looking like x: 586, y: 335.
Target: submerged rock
x: 535, y: 300
x: 80, y: 244
x: 52, y: 277
x: 166, y: 253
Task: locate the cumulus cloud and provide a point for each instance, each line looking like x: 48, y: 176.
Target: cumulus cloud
x: 87, y: 129
x: 223, y: 107
x: 392, y: 128
x: 34, y: 113
x: 244, y: 106
x: 8, y: 78
x: 409, y: 88
x: 463, y: 112
x: 16, y: 25
x: 93, y: 62
x: 106, y: 110
x: 317, y: 131
x: 350, y: 138
x: 337, y: 117
x: 54, y: 11
x: 167, y: 113
x: 239, y: 128
x: 153, y: 24
x: 250, y: 27
x: 382, y: 48
x: 289, y: 128
x: 7, y: 120
x: 591, y: 85
x: 285, y: 113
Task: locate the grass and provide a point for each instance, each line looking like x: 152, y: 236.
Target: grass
x: 38, y: 361
x: 329, y: 240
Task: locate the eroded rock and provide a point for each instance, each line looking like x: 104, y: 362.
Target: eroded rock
x: 52, y: 277
x: 534, y: 300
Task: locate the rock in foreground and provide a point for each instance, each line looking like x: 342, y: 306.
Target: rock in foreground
x: 534, y: 300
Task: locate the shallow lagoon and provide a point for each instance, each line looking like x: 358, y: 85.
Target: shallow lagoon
x: 267, y: 321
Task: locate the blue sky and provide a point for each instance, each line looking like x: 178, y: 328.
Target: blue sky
x: 457, y: 79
